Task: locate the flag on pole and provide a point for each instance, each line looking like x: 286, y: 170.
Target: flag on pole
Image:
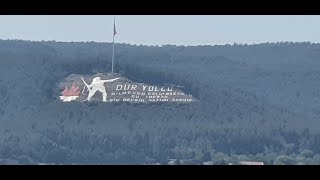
x: 114, y: 27
x: 114, y: 33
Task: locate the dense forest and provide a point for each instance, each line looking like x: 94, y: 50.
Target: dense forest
x: 257, y: 102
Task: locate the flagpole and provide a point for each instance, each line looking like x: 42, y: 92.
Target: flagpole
x: 114, y: 20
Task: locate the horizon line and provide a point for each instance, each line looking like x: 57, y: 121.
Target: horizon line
x: 158, y: 45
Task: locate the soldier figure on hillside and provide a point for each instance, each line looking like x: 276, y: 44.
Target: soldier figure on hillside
x: 97, y: 85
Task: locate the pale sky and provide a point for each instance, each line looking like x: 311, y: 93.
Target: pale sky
x: 163, y: 29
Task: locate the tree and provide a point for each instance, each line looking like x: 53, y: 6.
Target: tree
x: 285, y: 160
x: 307, y: 153
x: 206, y: 156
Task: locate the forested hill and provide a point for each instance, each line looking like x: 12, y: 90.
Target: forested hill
x: 256, y: 102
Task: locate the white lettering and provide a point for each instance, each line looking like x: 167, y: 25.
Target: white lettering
x: 126, y: 86
x: 119, y: 87
x: 151, y: 88
x: 144, y: 87
x: 134, y: 87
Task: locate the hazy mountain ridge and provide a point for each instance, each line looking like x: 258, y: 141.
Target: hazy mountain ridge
x: 239, y: 109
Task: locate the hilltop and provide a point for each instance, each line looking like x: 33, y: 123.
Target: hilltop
x: 255, y: 102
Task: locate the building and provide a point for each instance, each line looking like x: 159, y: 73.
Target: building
x: 173, y: 162
x: 250, y: 163
x: 208, y: 163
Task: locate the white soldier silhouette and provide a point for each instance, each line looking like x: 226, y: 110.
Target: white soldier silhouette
x: 97, y: 85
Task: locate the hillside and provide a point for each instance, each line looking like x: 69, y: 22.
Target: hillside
x: 257, y: 102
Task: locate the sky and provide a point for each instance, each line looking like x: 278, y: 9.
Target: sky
x: 163, y: 29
